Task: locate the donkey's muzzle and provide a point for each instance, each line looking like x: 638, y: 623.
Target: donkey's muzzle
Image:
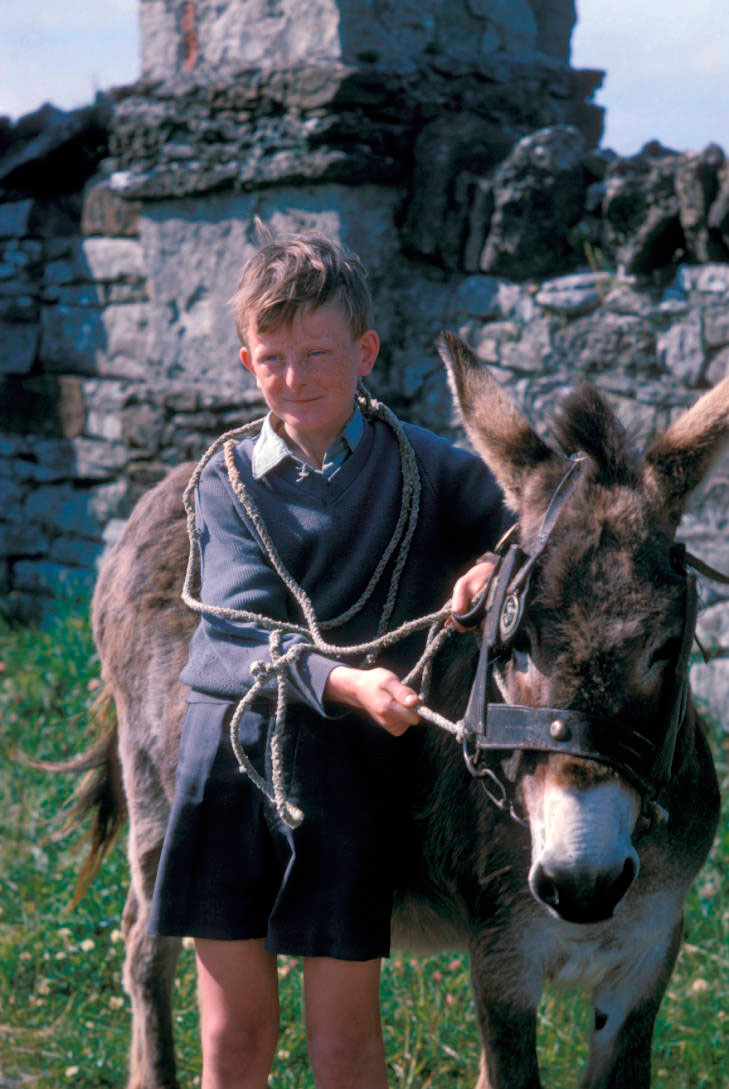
x: 580, y: 895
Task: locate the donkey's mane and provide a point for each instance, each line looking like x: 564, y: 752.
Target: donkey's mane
x: 585, y: 422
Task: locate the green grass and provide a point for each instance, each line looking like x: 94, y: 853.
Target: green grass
x: 64, y: 1019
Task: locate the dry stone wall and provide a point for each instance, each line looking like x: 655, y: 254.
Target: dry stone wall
x: 478, y: 200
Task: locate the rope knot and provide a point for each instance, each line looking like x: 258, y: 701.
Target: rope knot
x: 260, y: 671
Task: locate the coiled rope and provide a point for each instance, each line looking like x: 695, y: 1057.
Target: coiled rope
x: 280, y: 663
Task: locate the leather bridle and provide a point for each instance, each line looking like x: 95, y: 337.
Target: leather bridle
x: 500, y: 728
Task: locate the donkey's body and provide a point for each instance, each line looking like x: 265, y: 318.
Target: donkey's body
x: 591, y: 893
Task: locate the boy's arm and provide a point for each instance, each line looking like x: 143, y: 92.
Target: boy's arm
x: 235, y: 575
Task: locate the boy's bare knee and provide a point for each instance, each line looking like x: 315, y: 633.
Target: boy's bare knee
x: 238, y: 1053
x: 345, y: 1060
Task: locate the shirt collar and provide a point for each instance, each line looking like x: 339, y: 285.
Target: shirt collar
x: 271, y: 450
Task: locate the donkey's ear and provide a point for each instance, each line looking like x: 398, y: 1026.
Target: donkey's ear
x: 495, y: 426
x: 678, y: 460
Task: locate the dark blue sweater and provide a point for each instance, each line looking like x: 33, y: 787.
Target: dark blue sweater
x: 330, y: 535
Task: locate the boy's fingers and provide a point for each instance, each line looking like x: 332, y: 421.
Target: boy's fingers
x: 469, y: 587
x: 406, y: 700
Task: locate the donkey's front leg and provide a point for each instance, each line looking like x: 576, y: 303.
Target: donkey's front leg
x: 624, y: 1016
x: 508, y: 1028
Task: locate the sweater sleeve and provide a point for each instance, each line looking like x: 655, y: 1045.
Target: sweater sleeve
x: 236, y: 575
x: 469, y: 502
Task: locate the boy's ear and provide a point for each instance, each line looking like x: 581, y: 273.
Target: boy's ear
x: 245, y: 358
x: 369, y: 347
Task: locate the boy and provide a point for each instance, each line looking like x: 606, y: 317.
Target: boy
x: 327, y: 482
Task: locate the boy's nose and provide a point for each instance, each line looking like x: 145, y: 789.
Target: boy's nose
x: 295, y: 373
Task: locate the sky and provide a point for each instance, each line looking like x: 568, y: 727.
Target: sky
x: 667, y: 62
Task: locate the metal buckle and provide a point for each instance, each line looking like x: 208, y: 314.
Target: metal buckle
x: 471, y: 756
x: 511, y: 615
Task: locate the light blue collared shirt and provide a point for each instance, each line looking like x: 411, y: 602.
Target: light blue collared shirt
x: 271, y: 449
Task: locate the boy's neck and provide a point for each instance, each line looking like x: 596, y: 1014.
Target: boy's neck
x: 309, y: 451
x: 308, y: 448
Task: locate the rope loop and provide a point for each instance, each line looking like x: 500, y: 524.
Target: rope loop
x: 310, y: 634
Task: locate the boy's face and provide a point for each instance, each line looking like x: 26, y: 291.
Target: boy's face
x: 308, y: 371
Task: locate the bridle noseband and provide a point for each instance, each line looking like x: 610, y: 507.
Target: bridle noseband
x: 505, y: 729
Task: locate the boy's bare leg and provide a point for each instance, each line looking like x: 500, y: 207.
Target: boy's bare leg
x: 343, y: 1026
x: 239, y: 1012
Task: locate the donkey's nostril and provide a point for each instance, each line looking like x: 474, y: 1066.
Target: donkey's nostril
x: 582, y: 896
x: 545, y: 888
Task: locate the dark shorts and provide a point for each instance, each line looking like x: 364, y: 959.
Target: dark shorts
x: 231, y: 870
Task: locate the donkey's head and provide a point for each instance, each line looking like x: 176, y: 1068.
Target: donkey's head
x: 605, y: 620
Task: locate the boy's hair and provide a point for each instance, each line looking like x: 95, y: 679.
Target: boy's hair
x: 297, y: 272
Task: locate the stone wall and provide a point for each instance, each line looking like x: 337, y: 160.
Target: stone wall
x: 475, y: 194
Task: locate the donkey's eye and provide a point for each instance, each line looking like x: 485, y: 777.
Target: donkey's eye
x: 665, y: 652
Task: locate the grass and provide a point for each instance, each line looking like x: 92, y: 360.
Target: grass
x: 64, y: 1019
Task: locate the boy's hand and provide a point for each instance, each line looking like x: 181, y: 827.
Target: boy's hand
x: 468, y: 587
x: 379, y: 692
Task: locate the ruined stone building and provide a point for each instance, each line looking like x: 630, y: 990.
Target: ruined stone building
x: 452, y: 146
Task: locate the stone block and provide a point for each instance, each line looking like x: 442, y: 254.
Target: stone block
x: 111, y: 342
x: 75, y: 552
x: 142, y: 426
x: 113, y: 258
x: 710, y: 279
x: 186, y: 399
x: 534, y: 352
x: 97, y: 460
x: 487, y: 340
x: 17, y: 307
x: 544, y: 171
x: 718, y: 367
x: 84, y: 295
x: 615, y: 341
x: 716, y: 326
x: 574, y: 295
x: 103, y: 425
x: 58, y: 273
x: 43, y: 470
x: 458, y: 146
x: 111, y: 395
x: 18, y: 346
x: 126, y: 292
x: 478, y: 297
x: 70, y: 407
x: 697, y: 186
x: 78, y: 458
x: 251, y: 33
x: 112, y: 500
x: 18, y: 537
x: 680, y: 350
x: 64, y: 509
x: 710, y: 684
x: 15, y: 217
x: 10, y: 489
x: 106, y: 213
x: 713, y: 627
x: 45, y: 577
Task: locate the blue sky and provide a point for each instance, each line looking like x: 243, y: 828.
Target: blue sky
x: 667, y: 62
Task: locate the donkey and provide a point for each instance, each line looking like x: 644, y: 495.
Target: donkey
x: 578, y: 873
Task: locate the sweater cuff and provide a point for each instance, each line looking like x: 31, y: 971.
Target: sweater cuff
x: 314, y: 669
